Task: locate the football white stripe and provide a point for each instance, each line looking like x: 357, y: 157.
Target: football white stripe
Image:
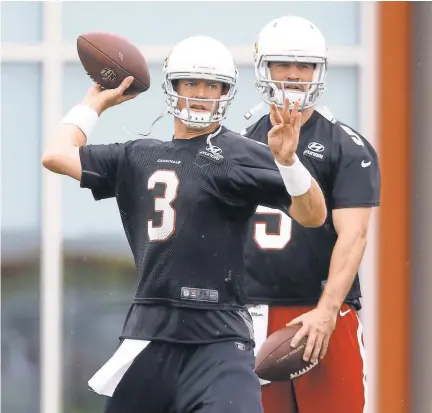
x: 363, y: 356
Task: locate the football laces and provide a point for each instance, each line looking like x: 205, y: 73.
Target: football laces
x: 303, y: 370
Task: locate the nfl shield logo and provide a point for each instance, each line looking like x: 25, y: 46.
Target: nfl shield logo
x: 108, y: 74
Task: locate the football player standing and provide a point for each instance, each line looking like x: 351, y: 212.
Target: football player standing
x: 302, y: 276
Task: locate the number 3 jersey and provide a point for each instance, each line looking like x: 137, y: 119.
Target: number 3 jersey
x: 288, y: 264
x: 185, y: 206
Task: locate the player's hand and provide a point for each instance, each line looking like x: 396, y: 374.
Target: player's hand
x: 284, y: 136
x: 317, y: 325
x: 100, y: 100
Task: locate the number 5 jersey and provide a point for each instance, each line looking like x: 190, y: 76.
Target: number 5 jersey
x: 288, y: 264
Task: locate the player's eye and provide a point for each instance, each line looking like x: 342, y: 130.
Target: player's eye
x: 190, y: 84
x: 213, y: 86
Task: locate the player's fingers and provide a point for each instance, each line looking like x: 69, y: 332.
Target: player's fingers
x: 298, y: 122
x: 295, y: 321
x: 277, y: 117
x: 286, y: 111
x: 124, y: 85
x: 274, y: 131
x: 317, y: 349
x: 324, y: 347
x: 299, y: 336
x: 272, y: 114
x: 294, y: 113
x: 310, y: 344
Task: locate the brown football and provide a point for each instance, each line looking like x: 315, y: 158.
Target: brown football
x: 278, y: 361
x: 108, y: 59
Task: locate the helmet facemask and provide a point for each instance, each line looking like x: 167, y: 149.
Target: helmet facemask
x: 191, y: 118
x: 277, y: 91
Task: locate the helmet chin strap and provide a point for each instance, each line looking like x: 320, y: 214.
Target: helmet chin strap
x: 211, y: 148
x: 145, y: 134
x: 189, y: 118
x: 279, y: 95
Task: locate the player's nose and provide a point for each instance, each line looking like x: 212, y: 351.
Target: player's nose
x: 200, y: 93
x: 293, y: 77
x: 199, y: 90
x: 292, y: 85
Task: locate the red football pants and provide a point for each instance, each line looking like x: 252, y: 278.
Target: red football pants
x: 337, y: 384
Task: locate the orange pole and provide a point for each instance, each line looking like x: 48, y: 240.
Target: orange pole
x: 395, y: 102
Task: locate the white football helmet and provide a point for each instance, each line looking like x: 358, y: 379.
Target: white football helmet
x: 199, y: 57
x: 290, y: 39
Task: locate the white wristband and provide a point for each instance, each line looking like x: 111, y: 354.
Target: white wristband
x: 297, y: 178
x: 82, y: 116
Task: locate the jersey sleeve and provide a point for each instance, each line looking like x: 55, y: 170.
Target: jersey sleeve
x: 258, y: 131
x: 356, y: 173
x: 255, y: 180
x: 100, y: 165
x: 247, y: 132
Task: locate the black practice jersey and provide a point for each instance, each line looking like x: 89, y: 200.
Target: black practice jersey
x: 186, y: 325
x: 287, y: 263
x: 185, y: 206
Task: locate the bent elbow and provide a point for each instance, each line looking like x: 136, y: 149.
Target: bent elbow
x: 50, y: 160
x: 63, y: 162
x: 57, y: 162
x: 316, y: 219
x: 313, y: 223
x: 47, y: 160
x: 320, y: 216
